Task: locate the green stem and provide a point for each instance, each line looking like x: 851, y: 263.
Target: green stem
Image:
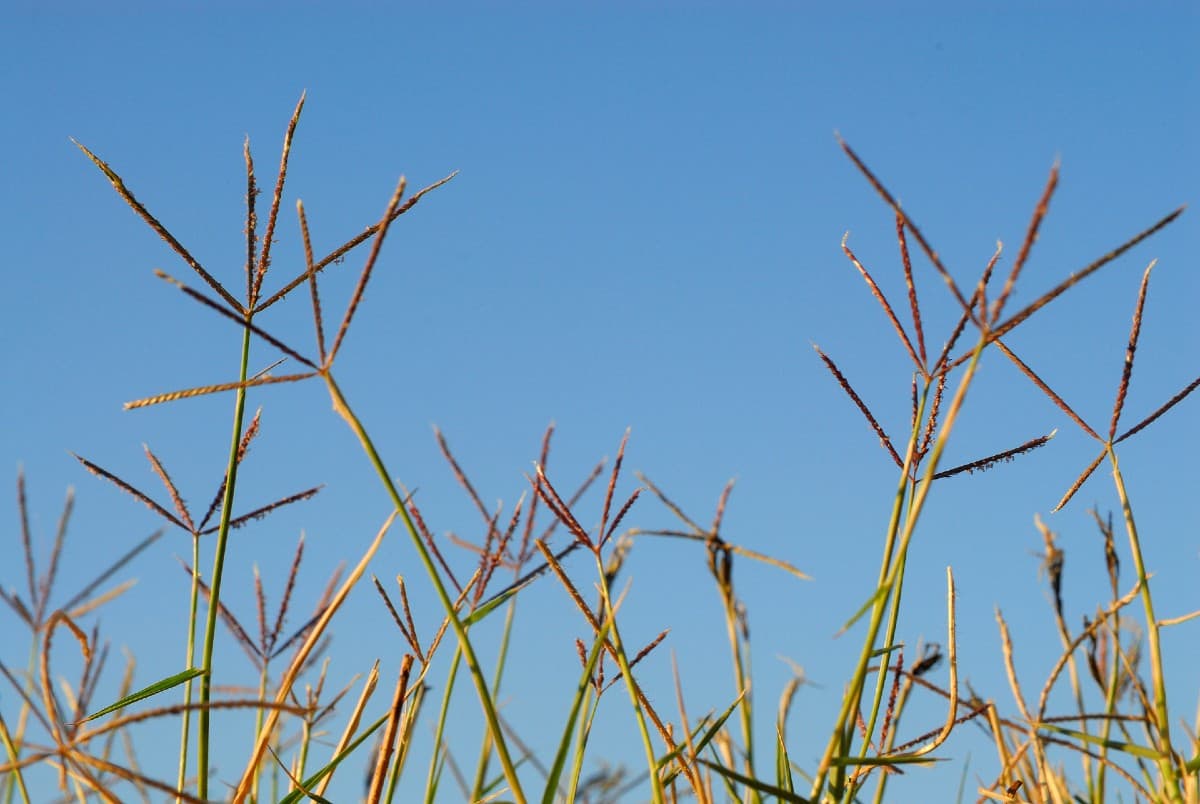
x: 185, y: 726
x: 1162, y: 725
x: 214, y: 590
x: 460, y: 631
x: 485, y: 750
x: 610, y: 614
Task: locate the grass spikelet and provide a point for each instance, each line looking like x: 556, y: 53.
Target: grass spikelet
x: 1035, y: 223
x: 1020, y: 317
x: 883, y: 302
x: 123, y: 191
x: 884, y: 441
x: 1127, y: 368
x: 364, y: 277
x: 341, y: 251
x: 264, y: 260
x: 204, y: 390
x: 239, y: 320
x: 128, y: 489
x: 983, y: 464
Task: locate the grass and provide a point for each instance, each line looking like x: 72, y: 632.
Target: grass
x: 1119, y: 730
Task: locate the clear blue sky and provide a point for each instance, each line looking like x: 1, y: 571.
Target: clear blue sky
x: 644, y: 233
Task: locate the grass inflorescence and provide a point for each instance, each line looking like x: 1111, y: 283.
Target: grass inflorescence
x: 1120, y: 729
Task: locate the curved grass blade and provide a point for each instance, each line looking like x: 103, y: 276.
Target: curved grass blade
x: 170, y: 682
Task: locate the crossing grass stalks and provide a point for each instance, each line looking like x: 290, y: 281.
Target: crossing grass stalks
x: 1120, y: 729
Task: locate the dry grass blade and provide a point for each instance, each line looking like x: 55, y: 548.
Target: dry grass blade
x: 176, y: 500
x: 1170, y: 403
x: 264, y: 260
x: 352, y: 722
x: 240, y: 321
x: 204, y: 390
x: 161, y: 230
x: 912, y: 227
x: 340, y: 252
x: 884, y: 441
x: 983, y: 464
x: 298, y: 661
x: 318, y: 323
x: 388, y: 746
x: 1039, y: 214
x: 128, y: 489
x: 1127, y: 368
x: 1079, y: 481
x: 1058, y: 401
x: 887, y: 308
x: 368, y: 267
x: 1075, y: 278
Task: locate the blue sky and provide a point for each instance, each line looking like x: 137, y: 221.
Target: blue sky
x: 645, y: 234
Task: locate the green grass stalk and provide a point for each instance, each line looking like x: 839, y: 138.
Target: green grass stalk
x: 185, y: 722
x: 460, y: 631
x: 214, y: 596
x: 1162, y: 722
x: 436, y: 758
x: 610, y: 613
x: 485, y: 749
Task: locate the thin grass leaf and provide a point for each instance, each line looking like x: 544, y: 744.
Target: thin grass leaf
x: 311, y: 781
x: 161, y: 230
x: 170, y: 682
x: 581, y: 691
x: 1133, y: 749
x: 754, y: 784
